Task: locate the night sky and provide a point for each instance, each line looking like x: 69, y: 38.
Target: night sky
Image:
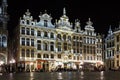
x: 102, y: 14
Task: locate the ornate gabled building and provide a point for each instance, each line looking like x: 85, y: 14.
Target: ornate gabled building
x: 109, y: 50
x: 3, y: 32
x: 43, y: 45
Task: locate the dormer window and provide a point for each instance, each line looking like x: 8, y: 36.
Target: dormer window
x: 45, y: 23
x: 28, y: 22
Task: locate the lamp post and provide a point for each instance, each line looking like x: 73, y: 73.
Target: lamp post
x: 12, y: 61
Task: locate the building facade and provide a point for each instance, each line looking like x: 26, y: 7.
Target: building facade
x: 3, y: 32
x: 43, y: 45
x: 110, y: 50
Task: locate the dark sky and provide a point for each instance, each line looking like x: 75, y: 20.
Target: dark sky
x: 102, y: 14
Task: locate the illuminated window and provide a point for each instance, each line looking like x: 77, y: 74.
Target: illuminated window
x: 4, y: 41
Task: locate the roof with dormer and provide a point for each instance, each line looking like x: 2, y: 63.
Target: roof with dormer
x: 64, y: 23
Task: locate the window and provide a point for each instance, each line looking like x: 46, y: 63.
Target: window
x: 23, y: 53
x: 32, y: 42
x: 51, y: 46
x: 23, y: 41
x: 27, y: 53
x: 59, y: 46
x: 39, y: 45
x: 45, y: 46
x: 45, y: 23
x: 23, y: 30
x: 0, y: 42
x: 65, y: 46
x: 52, y: 35
x: 4, y: 41
x: 28, y: 31
x: 39, y: 56
x: 38, y: 33
x: 59, y: 56
x: 32, y: 53
x: 28, y: 22
x: 28, y: 41
x: 69, y: 38
x: 117, y: 38
x: 32, y: 32
x: 117, y: 47
x: 45, y: 56
x: 52, y: 56
x: 45, y: 34
x: 64, y: 37
x: 59, y: 36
